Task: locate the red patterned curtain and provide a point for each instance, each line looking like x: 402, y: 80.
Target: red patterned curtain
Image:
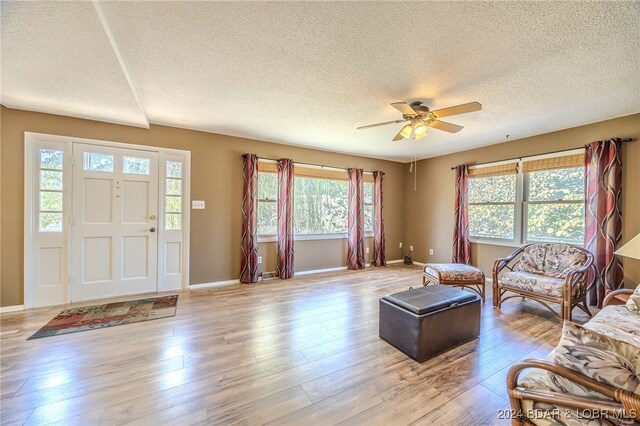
x: 355, y: 250
x: 461, y: 244
x: 285, y: 219
x: 249, y: 243
x: 379, y: 258
x: 603, y: 215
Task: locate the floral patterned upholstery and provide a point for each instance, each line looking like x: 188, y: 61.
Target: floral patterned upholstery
x: 534, y: 283
x: 633, y: 304
x: 592, y: 354
x: 617, y: 322
x: 454, y: 272
x: 553, y: 259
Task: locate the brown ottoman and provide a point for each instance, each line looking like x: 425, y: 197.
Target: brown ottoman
x: 426, y: 321
x: 455, y: 274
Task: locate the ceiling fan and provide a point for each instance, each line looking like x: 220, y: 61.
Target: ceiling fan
x: 420, y: 117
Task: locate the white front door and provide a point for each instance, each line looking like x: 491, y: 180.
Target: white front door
x: 115, y: 209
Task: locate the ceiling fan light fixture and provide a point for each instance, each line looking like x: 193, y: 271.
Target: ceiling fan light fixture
x: 406, y: 131
x: 419, y: 129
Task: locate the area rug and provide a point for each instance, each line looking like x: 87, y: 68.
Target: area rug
x: 108, y: 315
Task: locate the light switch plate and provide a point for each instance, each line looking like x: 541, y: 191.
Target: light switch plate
x: 197, y: 205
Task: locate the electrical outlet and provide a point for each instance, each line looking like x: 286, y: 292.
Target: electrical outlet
x: 400, y: 245
x: 366, y: 250
x: 410, y: 248
x: 197, y: 205
x: 259, y: 259
x: 431, y: 252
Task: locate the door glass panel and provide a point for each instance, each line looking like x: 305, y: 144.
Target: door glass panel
x: 135, y: 165
x: 174, y: 204
x: 174, y: 169
x: 50, y: 180
x: 98, y: 162
x: 51, y: 201
x: 174, y: 187
x: 173, y: 221
x: 50, y: 222
x: 51, y: 159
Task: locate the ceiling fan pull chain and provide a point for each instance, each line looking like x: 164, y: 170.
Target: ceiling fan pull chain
x: 415, y: 173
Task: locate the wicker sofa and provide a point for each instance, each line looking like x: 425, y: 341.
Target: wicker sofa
x: 546, y: 273
x: 592, y: 377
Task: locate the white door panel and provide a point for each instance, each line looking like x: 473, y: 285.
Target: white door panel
x: 115, y: 208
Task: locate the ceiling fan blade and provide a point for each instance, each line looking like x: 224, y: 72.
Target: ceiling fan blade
x: 381, y: 124
x: 458, y: 109
x: 447, y: 127
x: 398, y: 137
x: 404, y: 108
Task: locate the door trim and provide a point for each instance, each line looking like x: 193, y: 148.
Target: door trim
x: 31, y: 166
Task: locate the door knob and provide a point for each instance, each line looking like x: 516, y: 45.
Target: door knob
x: 152, y: 229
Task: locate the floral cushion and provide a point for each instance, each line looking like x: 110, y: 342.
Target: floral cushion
x: 591, y: 354
x: 544, y: 414
x: 552, y: 260
x: 599, y: 357
x: 633, y: 304
x: 617, y: 322
x: 454, y: 272
x: 534, y: 283
x: 562, y: 258
x: 532, y: 259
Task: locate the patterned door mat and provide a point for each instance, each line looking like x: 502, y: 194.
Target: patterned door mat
x: 108, y: 315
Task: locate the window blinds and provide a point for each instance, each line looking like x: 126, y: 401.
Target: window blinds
x: 312, y: 172
x: 497, y: 170
x: 562, y: 162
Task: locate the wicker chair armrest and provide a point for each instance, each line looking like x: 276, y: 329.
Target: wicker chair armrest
x: 624, y: 404
x: 502, y: 262
x: 617, y: 297
x: 573, y: 276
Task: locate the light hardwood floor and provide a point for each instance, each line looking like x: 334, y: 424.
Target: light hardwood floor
x: 302, y: 351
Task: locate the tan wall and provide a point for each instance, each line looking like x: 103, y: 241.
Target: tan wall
x: 428, y: 211
x: 216, y: 166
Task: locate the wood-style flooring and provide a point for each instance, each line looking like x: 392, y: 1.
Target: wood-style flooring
x: 298, y: 352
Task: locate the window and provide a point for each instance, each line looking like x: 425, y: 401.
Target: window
x: 173, y: 195
x: 267, y: 203
x: 492, y: 206
x: 532, y: 200
x: 321, y: 204
x: 368, y: 207
x: 554, y: 201
x: 98, y: 162
x: 50, y: 200
x: 135, y: 165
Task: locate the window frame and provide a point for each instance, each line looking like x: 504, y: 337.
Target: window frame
x: 520, y: 212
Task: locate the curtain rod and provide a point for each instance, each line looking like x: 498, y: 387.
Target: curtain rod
x: 546, y: 153
x: 320, y: 166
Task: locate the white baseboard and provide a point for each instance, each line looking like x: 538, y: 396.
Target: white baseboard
x: 14, y: 308
x: 418, y: 263
x: 391, y: 262
x: 213, y: 284
x: 319, y: 271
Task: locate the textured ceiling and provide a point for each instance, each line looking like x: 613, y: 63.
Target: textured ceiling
x: 309, y: 73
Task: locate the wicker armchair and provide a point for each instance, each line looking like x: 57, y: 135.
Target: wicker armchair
x: 555, y: 273
x: 621, y: 405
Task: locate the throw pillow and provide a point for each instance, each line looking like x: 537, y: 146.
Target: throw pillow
x: 633, y: 304
x: 599, y: 357
x: 532, y: 259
